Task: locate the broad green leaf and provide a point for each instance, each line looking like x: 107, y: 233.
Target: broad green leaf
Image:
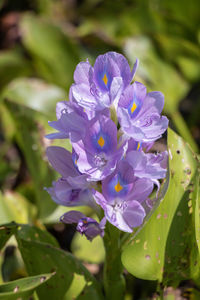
x: 6, y: 231
x: 35, y: 94
x: 54, y: 53
x: 29, y: 135
x: 70, y: 273
x: 163, y: 77
x: 32, y: 233
x: 154, y: 70
x: 26, y: 232
x: 47, y: 258
x: 14, y: 207
x: 12, y: 65
x: 162, y: 249
x: 189, y: 67
x: 22, y: 288
x: 85, y: 250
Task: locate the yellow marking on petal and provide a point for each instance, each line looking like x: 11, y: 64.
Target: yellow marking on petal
x: 101, y: 141
x: 85, y: 221
x: 105, y: 79
x: 118, y: 187
x: 76, y: 162
x: 133, y: 108
x: 138, y: 146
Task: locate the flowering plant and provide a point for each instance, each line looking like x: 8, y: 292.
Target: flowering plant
x: 112, y: 123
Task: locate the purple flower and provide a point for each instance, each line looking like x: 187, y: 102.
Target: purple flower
x: 98, y: 87
x: 87, y: 226
x: 139, y: 113
x: 121, y: 198
x: 65, y: 194
x: 97, y: 152
x: 73, y: 188
x: 148, y: 165
x: 71, y: 123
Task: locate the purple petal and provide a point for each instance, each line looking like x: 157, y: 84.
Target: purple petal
x: 134, y: 214
x: 81, y: 73
x: 82, y: 95
x: 142, y: 188
x: 61, y: 161
x: 105, y: 69
x: 158, y: 100
x: 89, y: 227
x: 135, y: 68
x: 71, y: 217
x: 63, y: 106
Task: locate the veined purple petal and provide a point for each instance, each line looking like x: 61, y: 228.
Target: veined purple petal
x: 105, y: 69
x: 71, y: 217
x: 135, y: 67
x: 153, y: 166
x: 81, y: 73
x: 64, y: 194
x: 123, y: 214
x: 97, y: 152
x: 61, y: 161
x: 134, y: 214
x: 87, y: 226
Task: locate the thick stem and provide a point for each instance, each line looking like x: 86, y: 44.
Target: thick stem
x: 114, y: 282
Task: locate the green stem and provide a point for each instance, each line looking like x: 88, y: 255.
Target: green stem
x: 114, y: 283
x: 183, y: 130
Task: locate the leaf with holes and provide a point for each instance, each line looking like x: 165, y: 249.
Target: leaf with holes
x: 162, y: 249
x: 47, y: 257
x: 22, y: 288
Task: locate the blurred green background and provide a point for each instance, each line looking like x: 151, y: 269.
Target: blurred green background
x: 41, y: 41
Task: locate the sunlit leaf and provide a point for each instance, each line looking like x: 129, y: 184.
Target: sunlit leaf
x: 49, y: 258
x: 29, y: 137
x: 54, y: 53
x: 85, y: 250
x: 12, y: 65
x: 162, y: 249
x: 35, y: 94
x: 14, y: 207
x: 22, y: 288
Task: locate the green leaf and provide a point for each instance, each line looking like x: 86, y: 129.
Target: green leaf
x: 26, y: 232
x: 54, y: 53
x: 14, y: 207
x: 172, y: 85
x: 162, y: 249
x: 154, y: 70
x: 12, y: 65
x: 22, y: 288
x: 32, y: 233
x: 85, y: 250
x: 29, y: 134
x: 39, y: 252
x: 35, y: 94
x: 47, y: 258
x: 6, y: 231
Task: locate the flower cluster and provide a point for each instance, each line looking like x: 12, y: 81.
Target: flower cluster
x: 109, y: 121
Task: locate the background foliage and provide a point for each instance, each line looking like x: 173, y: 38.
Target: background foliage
x: 41, y: 42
